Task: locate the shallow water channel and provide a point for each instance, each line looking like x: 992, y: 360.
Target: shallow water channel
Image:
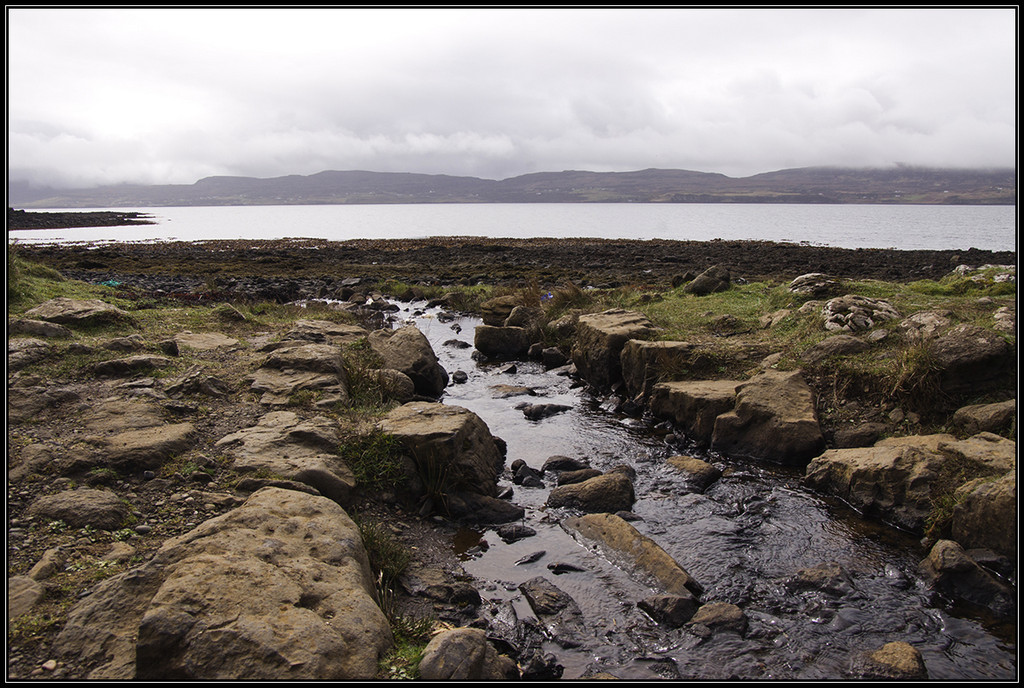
x: 742, y: 540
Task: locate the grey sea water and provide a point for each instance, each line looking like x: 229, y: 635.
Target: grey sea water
x: 905, y: 227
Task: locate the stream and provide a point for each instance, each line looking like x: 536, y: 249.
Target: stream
x: 742, y: 540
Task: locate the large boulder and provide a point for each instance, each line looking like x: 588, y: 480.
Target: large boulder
x: 774, y: 419
x: 948, y: 568
x: 634, y: 552
x: 983, y: 508
x: 501, y: 342
x: 408, y: 350
x: 278, y: 589
x: 971, y: 358
x: 645, y: 363
x: 716, y: 278
x: 899, y: 479
x: 288, y: 447
x: 694, y: 405
x: 497, y: 310
x: 600, y: 339
x: 464, y: 654
x: 451, y: 446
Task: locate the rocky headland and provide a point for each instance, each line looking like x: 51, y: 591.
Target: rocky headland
x: 203, y: 480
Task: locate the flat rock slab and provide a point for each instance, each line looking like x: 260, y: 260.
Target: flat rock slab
x: 624, y: 546
x: 284, y: 445
x: 278, y: 589
x: 83, y: 507
x: 37, y: 328
x: 24, y: 351
x: 78, y: 312
x: 204, y: 341
x: 146, y: 448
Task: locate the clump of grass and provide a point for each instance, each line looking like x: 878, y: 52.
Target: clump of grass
x: 375, y: 460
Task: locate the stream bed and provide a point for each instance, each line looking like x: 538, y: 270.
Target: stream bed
x: 743, y: 539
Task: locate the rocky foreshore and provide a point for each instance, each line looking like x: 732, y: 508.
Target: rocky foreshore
x: 181, y: 501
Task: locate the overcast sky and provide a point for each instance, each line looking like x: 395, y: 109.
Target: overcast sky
x: 98, y: 96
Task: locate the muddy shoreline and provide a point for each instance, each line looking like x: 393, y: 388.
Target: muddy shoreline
x: 465, y: 260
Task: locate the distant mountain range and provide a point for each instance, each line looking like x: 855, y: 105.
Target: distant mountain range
x: 897, y: 185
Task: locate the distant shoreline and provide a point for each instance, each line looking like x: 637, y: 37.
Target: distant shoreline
x: 24, y: 219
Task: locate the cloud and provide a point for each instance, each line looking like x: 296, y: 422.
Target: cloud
x: 171, y: 95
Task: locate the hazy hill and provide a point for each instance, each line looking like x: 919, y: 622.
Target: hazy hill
x: 801, y: 185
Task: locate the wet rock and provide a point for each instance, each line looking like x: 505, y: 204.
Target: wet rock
x: 501, y: 342
x: 895, y: 661
x: 508, y: 391
x: 514, y: 532
x: 714, y: 617
x: 670, y: 610
x: 827, y: 577
x: 279, y: 588
x: 542, y: 411
x: 99, y: 509
x: 609, y: 492
x: 774, y: 418
x: 464, y: 654
x: 531, y: 558
x: 289, y: 447
x: 558, y: 612
x: 553, y: 357
x: 700, y: 474
x: 469, y: 507
x: 600, y: 338
x: 635, y: 553
x: 949, y: 569
x: 563, y: 463
x: 573, y: 477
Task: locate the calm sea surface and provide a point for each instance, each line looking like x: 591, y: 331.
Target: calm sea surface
x: 846, y: 226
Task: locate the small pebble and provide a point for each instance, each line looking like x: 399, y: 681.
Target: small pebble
x: 143, y: 529
x: 50, y: 664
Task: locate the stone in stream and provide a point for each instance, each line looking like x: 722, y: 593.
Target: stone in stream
x: 558, y: 612
x: 600, y: 338
x: 635, y: 553
x: 608, y: 492
x: 464, y: 654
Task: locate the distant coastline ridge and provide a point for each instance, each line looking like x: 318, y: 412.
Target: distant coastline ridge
x: 834, y: 185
